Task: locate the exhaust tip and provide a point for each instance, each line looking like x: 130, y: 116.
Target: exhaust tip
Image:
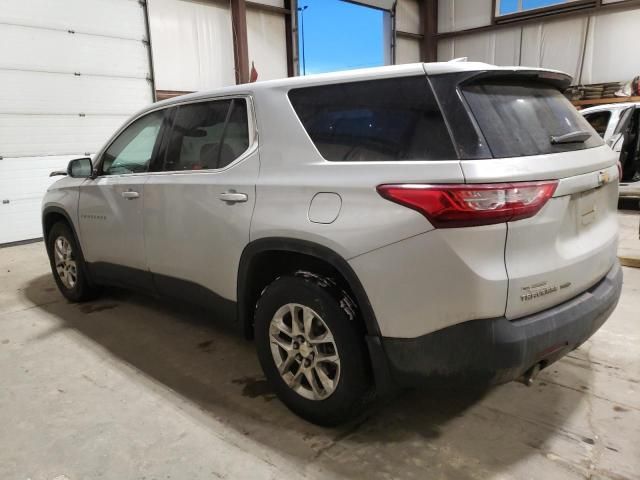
x: 529, y: 376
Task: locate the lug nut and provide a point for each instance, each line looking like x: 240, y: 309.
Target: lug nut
x: 298, y: 357
x: 295, y: 346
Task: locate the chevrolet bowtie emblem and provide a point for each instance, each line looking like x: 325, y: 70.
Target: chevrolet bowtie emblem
x: 603, y: 178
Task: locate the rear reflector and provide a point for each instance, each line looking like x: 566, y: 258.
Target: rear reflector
x: 467, y: 205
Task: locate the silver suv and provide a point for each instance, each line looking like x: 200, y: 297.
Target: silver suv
x: 373, y: 229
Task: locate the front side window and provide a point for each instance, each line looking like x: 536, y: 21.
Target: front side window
x: 208, y: 135
x: 131, y: 152
x: 378, y: 120
x: 599, y: 121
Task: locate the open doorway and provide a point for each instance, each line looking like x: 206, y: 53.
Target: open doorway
x: 629, y: 128
x: 339, y: 35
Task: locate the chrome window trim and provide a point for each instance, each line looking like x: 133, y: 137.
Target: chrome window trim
x: 251, y: 120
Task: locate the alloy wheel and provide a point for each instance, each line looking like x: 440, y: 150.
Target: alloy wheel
x: 65, y: 263
x: 304, y: 351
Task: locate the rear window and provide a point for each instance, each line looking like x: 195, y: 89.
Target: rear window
x: 521, y: 119
x: 379, y: 120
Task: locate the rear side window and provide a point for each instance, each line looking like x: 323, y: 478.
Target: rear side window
x: 208, y: 135
x: 380, y: 120
x: 522, y: 119
x: 599, y: 121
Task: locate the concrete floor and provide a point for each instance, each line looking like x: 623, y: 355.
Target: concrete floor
x: 131, y: 387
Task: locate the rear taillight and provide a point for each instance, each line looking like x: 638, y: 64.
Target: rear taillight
x: 448, y: 206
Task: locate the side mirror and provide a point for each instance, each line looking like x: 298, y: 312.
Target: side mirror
x: 80, y: 168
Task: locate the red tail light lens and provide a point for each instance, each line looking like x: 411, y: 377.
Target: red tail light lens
x: 448, y: 206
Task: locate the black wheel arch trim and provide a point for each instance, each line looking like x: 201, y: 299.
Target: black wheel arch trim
x: 61, y: 211
x: 283, y: 244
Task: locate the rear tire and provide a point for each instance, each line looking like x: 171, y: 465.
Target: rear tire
x: 68, y: 265
x: 319, y: 368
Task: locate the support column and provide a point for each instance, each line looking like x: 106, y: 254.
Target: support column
x: 429, y: 14
x: 289, y: 22
x: 240, y: 40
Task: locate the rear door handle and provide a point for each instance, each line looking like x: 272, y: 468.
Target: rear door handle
x: 233, y: 197
x: 130, y: 194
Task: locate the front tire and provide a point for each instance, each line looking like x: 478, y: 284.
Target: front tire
x: 67, y: 265
x: 311, y: 349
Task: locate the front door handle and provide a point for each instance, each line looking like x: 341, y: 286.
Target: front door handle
x: 233, y: 197
x: 130, y: 194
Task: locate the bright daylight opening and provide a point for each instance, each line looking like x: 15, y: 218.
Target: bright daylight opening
x: 337, y: 35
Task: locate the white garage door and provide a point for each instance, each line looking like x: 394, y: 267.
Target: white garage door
x: 70, y: 74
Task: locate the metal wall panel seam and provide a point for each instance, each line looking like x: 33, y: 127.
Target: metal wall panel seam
x: 77, y: 74
x: 73, y: 31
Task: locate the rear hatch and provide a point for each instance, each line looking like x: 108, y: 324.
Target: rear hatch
x: 522, y: 128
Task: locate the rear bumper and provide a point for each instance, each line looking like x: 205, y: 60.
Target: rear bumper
x: 483, y: 352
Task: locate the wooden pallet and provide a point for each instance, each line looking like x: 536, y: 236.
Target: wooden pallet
x: 626, y: 261
x: 604, y: 101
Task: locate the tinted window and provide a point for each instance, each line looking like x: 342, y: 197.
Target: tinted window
x: 132, y: 150
x: 624, y: 121
x: 381, y: 120
x: 207, y: 135
x: 599, y: 121
x: 520, y: 119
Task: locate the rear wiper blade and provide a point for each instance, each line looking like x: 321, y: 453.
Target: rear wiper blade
x: 578, y: 136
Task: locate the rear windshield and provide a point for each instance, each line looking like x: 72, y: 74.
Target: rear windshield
x: 376, y: 120
x: 521, y: 119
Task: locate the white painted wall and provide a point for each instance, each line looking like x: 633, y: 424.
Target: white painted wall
x: 454, y: 15
x: 556, y: 44
x: 408, y: 20
x: 273, y: 3
x: 69, y: 77
x: 192, y: 44
x: 612, y: 47
x: 267, y: 44
x: 408, y: 16
x: 593, y: 49
x: 407, y: 50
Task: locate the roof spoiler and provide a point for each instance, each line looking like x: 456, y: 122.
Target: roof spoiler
x: 557, y: 79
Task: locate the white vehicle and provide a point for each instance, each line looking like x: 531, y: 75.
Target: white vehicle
x: 405, y: 225
x: 619, y: 125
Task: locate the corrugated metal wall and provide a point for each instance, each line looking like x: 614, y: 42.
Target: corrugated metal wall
x: 193, y: 43
x: 267, y: 43
x: 592, y: 48
x: 408, y: 20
